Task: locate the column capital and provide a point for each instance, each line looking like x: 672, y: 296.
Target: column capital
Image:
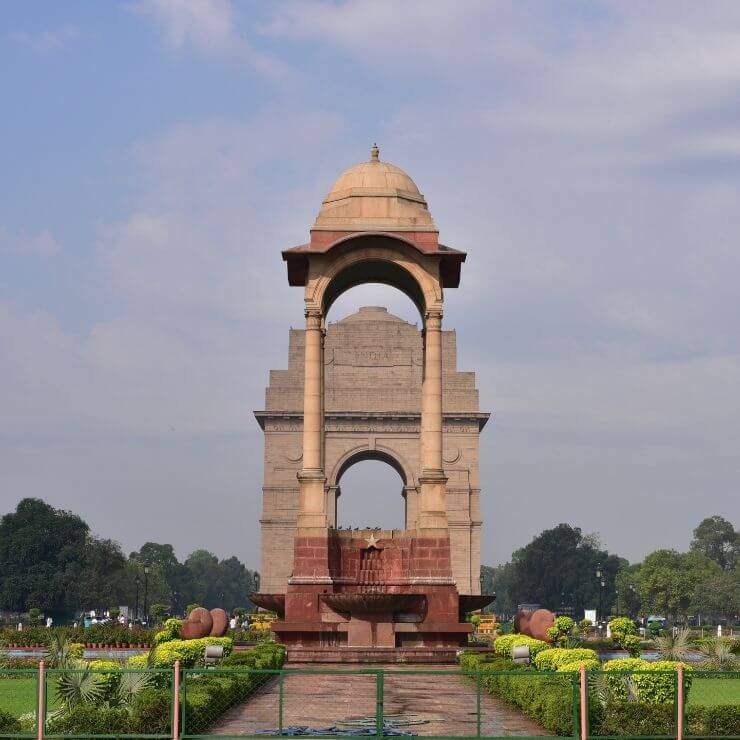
x: 314, y: 318
x: 433, y: 318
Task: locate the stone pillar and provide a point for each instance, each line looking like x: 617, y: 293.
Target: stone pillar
x: 311, y: 495
x: 432, y: 505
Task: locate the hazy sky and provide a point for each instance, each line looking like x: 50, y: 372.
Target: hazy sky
x: 156, y: 156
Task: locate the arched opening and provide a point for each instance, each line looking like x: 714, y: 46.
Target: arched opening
x: 393, y: 300
x: 371, y: 485
x: 374, y: 272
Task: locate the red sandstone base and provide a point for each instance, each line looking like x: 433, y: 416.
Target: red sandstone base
x: 370, y: 597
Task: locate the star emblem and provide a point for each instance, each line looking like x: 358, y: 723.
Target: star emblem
x: 372, y: 541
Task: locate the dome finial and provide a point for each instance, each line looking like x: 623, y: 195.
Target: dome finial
x: 375, y: 154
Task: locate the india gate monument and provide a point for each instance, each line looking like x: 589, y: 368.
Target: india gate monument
x: 372, y: 386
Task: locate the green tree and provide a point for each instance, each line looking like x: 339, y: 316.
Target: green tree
x: 668, y: 581
x: 559, y: 567
x: 716, y: 538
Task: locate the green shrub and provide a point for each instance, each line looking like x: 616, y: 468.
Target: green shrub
x: 138, y: 662
x: 189, y: 652
x: 151, y: 712
x: 76, y: 651
x: 8, y: 723
x: 721, y: 719
x: 170, y: 631
x: 563, y: 631
x: 624, y: 634
x: 553, y: 658
x: 504, y: 644
x: 648, y: 689
x: 110, y: 671
x: 631, y: 718
x: 210, y: 694
x: 591, y: 665
x: 87, y: 719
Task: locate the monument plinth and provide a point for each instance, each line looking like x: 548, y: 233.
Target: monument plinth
x: 371, y: 386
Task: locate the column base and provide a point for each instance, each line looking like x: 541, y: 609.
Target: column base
x: 312, y: 497
x: 432, y: 501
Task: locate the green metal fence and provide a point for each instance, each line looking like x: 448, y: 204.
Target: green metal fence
x: 107, y: 702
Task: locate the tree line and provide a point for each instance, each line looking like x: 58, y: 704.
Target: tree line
x: 50, y: 560
x: 558, y: 570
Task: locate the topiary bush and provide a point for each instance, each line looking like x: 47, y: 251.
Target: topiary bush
x: 652, y: 683
x: 189, y: 652
x: 553, y: 658
x: 563, y: 631
x: 503, y: 645
x: 624, y: 634
x: 9, y: 724
x: 170, y: 631
x: 88, y: 719
x: 575, y: 666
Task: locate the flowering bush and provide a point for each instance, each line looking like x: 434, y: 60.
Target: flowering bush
x: 503, y: 645
x: 553, y: 658
x: 658, y: 688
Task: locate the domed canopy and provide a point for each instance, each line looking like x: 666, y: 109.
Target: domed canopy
x: 374, y: 196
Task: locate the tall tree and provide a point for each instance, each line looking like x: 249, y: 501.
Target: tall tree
x: 716, y: 538
x: 558, y: 567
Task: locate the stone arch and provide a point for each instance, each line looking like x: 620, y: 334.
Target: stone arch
x: 361, y: 453
x: 364, y: 452
x: 374, y: 258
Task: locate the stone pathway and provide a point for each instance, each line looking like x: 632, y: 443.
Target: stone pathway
x: 444, y: 701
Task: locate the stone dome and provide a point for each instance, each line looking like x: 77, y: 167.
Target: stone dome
x: 374, y: 196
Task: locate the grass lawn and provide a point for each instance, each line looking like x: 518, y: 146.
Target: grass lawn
x: 711, y: 691
x: 18, y: 695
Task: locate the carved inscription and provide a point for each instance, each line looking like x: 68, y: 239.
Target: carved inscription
x: 372, y: 357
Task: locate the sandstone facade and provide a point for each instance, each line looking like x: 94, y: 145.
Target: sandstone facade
x: 373, y: 365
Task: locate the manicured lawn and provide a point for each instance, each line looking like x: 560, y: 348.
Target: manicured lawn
x: 711, y: 691
x: 18, y: 695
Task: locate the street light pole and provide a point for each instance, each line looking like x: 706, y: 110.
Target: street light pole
x: 599, y: 574
x: 146, y: 592
x: 137, y: 580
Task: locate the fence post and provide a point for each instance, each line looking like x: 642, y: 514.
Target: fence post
x: 379, y: 686
x: 679, y: 702
x: 41, y: 710
x: 281, y: 700
x: 176, y: 702
x: 584, y: 702
x: 477, y: 699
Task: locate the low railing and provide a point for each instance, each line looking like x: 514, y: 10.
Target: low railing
x: 107, y: 702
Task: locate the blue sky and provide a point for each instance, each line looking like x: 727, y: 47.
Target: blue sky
x: 157, y: 155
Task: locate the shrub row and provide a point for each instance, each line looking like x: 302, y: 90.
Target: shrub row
x: 547, y: 698
x: 208, y: 696
x: 552, y: 659
x: 649, y: 689
x: 502, y: 645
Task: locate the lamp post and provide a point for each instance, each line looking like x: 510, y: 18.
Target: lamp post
x: 137, y: 580
x: 633, y: 592
x: 146, y: 591
x: 599, y: 575
x: 480, y: 580
x: 616, y: 591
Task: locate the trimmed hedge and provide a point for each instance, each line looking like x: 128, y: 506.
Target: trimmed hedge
x: 8, y: 723
x: 545, y: 697
x: 209, y: 696
x: 649, y: 689
x: 188, y: 652
x: 553, y: 658
x: 575, y: 666
x: 503, y: 645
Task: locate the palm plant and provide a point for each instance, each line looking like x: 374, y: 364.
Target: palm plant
x: 674, y: 645
x: 719, y: 656
x: 132, y: 683
x: 80, y: 686
x: 60, y: 653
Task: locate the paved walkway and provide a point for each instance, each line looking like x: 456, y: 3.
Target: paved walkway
x: 443, y: 704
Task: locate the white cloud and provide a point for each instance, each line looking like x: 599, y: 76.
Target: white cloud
x: 209, y: 27
x: 41, y: 244
x: 48, y: 40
